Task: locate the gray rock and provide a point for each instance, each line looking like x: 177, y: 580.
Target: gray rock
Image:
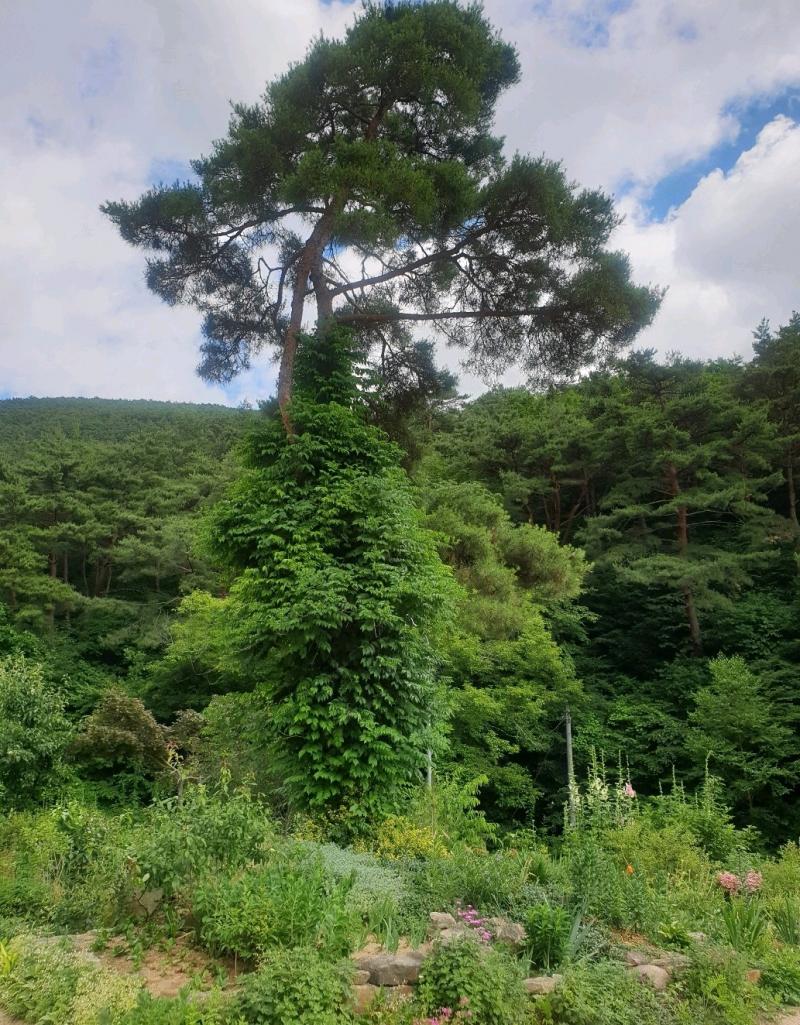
x: 145, y: 902
x: 441, y: 920
x: 652, y: 975
x: 539, y: 985
x: 505, y: 931
x: 459, y: 932
x: 360, y: 978
x: 637, y: 957
x: 672, y: 962
x: 399, y: 969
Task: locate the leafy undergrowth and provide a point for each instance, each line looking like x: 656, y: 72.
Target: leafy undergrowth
x: 208, y: 912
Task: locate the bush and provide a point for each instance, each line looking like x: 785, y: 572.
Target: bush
x: 548, y: 929
x: 214, y: 1009
x: 494, y: 883
x: 601, y: 994
x: 121, y: 744
x: 486, y: 981
x: 209, y: 828
x: 43, y: 982
x: 780, y: 975
x: 290, y: 902
x: 296, y: 987
x: 34, y: 733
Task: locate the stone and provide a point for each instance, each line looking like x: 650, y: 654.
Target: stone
x: 447, y: 936
x: 673, y: 962
x: 505, y: 931
x: 363, y: 997
x: 652, y: 975
x: 441, y: 920
x: 360, y: 978
x: 753, y: 976
x: 145, y: 902
x: 539, y: 985
x: 636, y: 958
x: 399, y: 969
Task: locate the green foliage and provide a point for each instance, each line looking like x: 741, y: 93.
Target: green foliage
x: 44, y: 982
x: 190, y: 837
x: 122, y: 741
x: 339, y: 597
x: 744, y: 924
x: 785, y: 917
x: 780, y: 975
x: 288, y: 902
x: 211, y: 1009
x: 601, y: 994
x: 296, y: 987
x: 548, y: 929
x: 34, y: 733
x: 735, y: 725
x: 488, y: 981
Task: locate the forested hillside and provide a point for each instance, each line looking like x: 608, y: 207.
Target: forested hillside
x: 625, y: 546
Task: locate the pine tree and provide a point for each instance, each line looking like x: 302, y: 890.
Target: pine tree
x: 380, y: 146
x: 686, y: 514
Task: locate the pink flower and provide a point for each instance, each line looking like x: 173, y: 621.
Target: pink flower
x: 628, y: 790
x: 753, y: 881
x: 729, y: 882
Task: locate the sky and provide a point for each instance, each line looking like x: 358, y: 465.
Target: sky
x: 687, y: 111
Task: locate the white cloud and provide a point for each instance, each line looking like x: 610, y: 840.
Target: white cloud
x: 729, y: 253
x: 93, y: 93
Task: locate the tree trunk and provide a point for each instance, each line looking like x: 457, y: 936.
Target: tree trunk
x: 683, y: 550
x: 308, y: 265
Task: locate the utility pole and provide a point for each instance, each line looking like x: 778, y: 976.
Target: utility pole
x: 570, y: 766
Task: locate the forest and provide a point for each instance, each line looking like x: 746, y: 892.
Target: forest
x: 381, y: 702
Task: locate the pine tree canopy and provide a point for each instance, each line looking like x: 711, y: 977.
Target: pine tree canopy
x: 368, y: 180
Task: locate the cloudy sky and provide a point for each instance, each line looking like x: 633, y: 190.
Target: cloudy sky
x: 687, y: 110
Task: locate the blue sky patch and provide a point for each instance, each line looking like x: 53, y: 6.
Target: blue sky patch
x: 752, y: 116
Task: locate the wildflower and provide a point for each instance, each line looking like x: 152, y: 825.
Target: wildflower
x: 628, y: 791
x: 729, y: 882
x: 629, y: 869
x: 753, y: 881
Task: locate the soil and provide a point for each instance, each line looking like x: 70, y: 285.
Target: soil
x: 164, y: 971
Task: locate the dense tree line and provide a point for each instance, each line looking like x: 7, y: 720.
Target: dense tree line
x: 626, y: 546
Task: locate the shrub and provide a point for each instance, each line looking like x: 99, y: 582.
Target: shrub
x: 34, y: 733
x: 785, y: 916
x: 44, y: 982
x: 486, y: 981
x: 296, y: 987
x: 492, y: 882
x: 717, y: 992
x: 214, y: 1009
x: 210, y: 827
x: 780, y: 975
x: 602, y: 993
x: 122, y: 740
x: 289, y: 902
x: 744, y: 924
x: 548, y: 930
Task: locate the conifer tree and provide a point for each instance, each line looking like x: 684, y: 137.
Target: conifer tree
x: 376, y: 152
x: 693, y: 466
x: 774, y: 374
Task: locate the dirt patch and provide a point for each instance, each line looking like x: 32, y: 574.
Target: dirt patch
x: 164, y: 970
